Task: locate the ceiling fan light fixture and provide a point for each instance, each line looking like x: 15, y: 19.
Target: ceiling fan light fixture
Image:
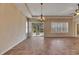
x: 77, y: 13
x: 77, y: 10
x: 42, y: 18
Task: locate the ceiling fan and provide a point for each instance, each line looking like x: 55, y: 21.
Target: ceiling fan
x: 73, y: 11
x: 77, y: 11
x: 41, y: 18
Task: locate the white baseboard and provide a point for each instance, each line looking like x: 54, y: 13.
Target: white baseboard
x: 13, y: 45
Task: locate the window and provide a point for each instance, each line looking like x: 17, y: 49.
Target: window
x: 59, y: 27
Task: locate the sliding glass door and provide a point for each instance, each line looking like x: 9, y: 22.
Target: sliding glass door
x: 38, y: 29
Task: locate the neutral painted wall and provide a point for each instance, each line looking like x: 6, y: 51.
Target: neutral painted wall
x: 76, y: 21
x: 47, y: 27
x: 12, y: 27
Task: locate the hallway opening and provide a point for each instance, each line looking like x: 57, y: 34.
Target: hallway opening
x: 37, y: 29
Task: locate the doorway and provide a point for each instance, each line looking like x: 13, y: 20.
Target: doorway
x: 37, y: 29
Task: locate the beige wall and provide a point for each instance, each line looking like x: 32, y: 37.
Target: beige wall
x: 76, y: 21
x: 47, y: 27
x: 12, y: 26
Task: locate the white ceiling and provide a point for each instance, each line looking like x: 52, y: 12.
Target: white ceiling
x: 52, y: 9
